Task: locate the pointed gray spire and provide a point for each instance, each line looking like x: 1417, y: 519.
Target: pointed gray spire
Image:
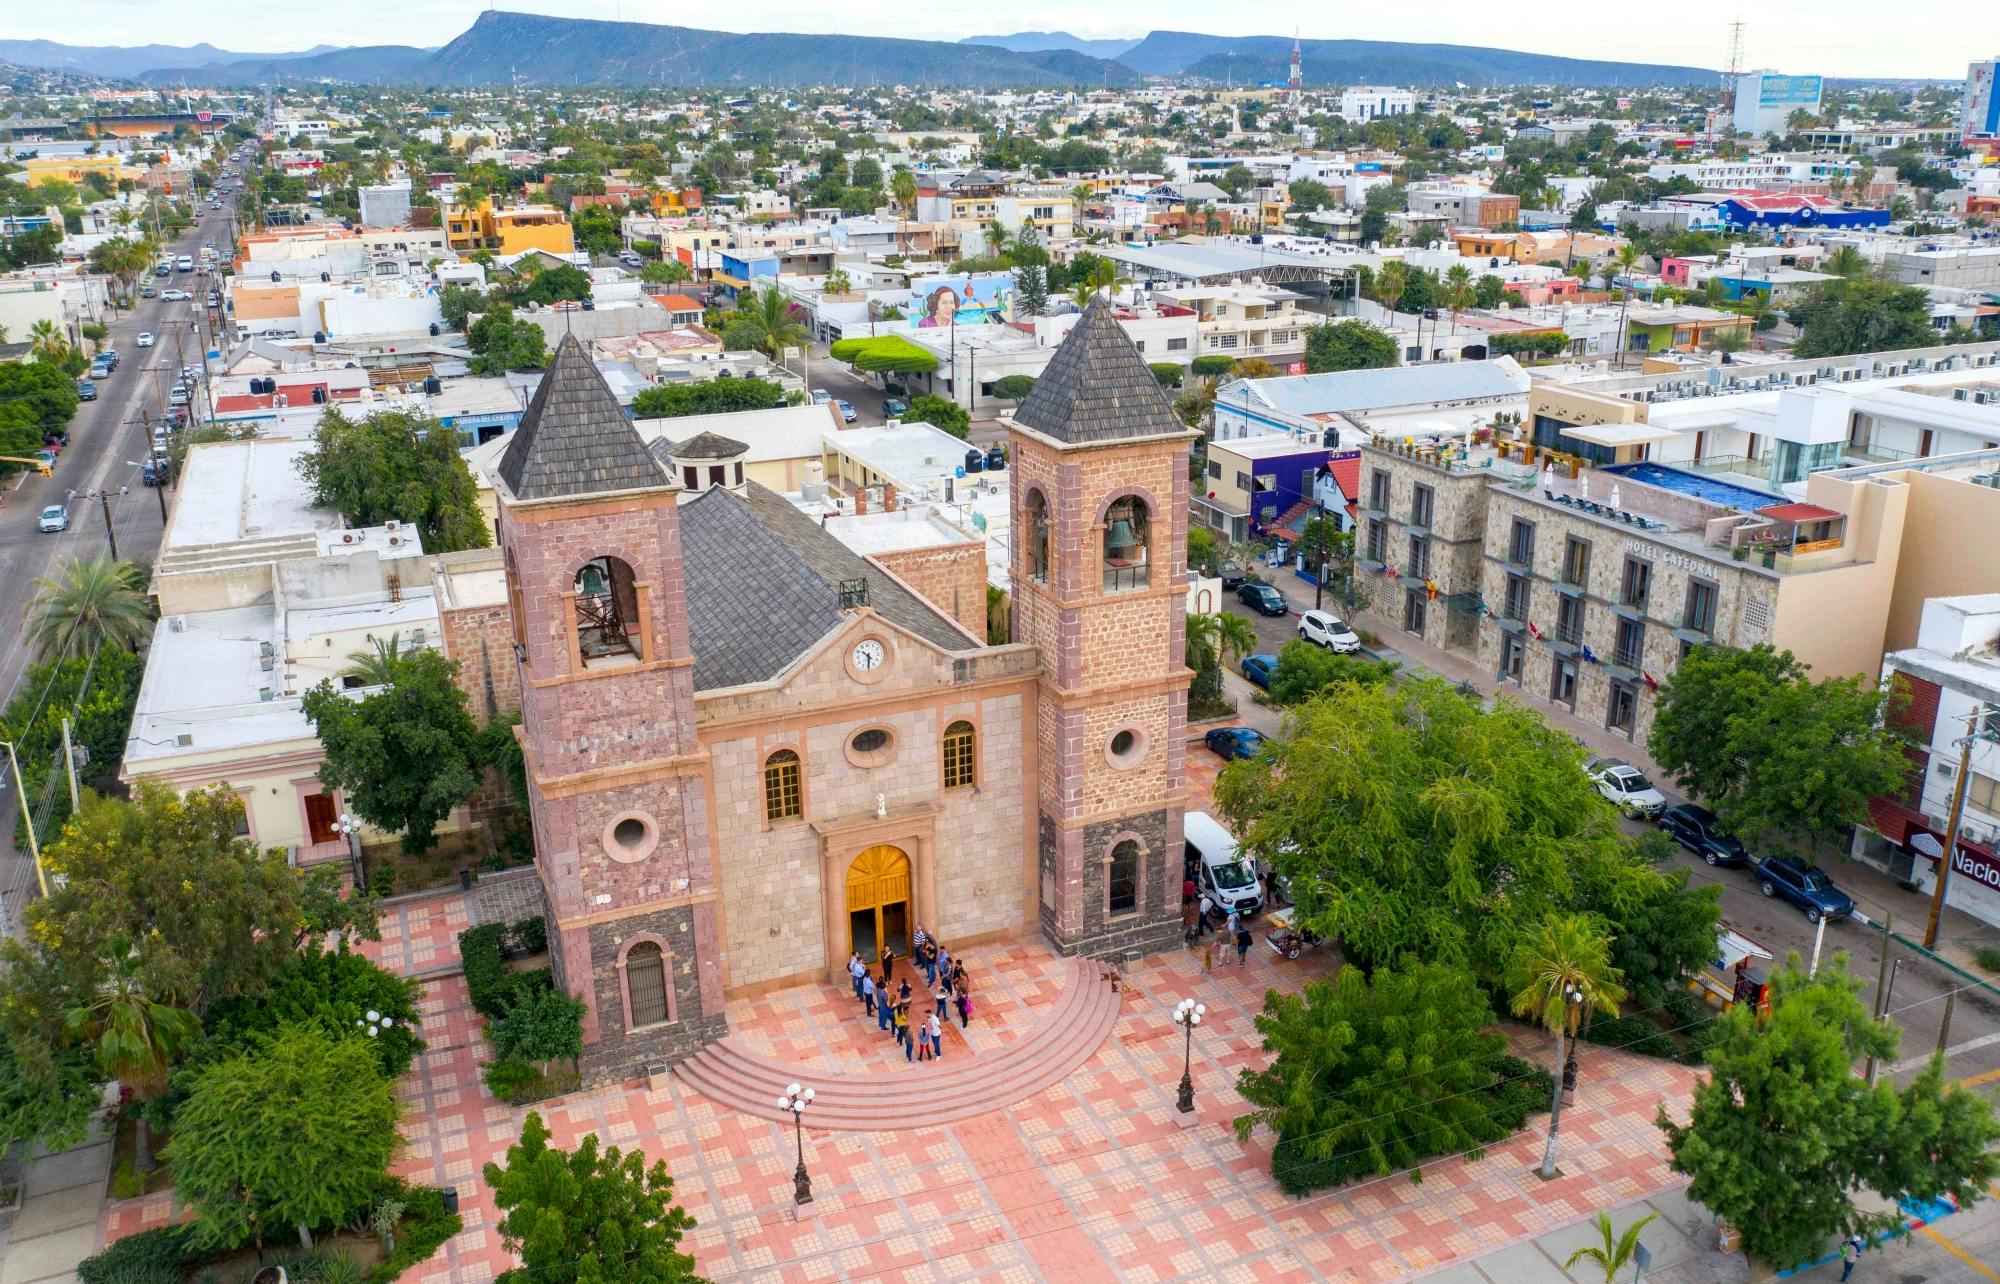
x: 575, y: 438
x: 1097, y: 387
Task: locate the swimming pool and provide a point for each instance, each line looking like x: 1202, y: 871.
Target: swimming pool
x: 1728, y: 494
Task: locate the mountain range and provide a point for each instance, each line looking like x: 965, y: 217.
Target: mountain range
x: 502, y: 47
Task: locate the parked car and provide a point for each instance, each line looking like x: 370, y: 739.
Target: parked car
x: 894, y: 407
x: 821, y: 396
x: 1229, y: 743
x: 1323, y: 628
x: 1257, y: 669
x: 145, y: 339
x: 110, y: 355
x: 149, y: 293
x: 54, y: 518
x: 177, y: 396
x: 162, y: 270
x: 1625, y: 786
x: 100, y: 369
x: 847, y: 415
x: 175, y: 296
x: 1809, y: 889
x: 1262, y: 598
x: 1233, y: 577
x: 1696, y: 829
x: 86, y: 391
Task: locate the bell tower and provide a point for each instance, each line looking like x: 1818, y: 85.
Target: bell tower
x: 589, y: 531
x: 1100, y: 493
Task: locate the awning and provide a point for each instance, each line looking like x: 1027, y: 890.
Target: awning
x: 1799, y: 513
x: 1615, y: 435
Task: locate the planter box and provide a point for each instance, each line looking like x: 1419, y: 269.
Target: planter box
x: 656, y: 1076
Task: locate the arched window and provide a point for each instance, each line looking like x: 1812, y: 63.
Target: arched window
x: 1122, y: 879
x: 645, y: 985
x: 960, y: 752
x: 782, y: 798
x: 607, y: 612
x: 1038, y: 536
x: 1126, y: 538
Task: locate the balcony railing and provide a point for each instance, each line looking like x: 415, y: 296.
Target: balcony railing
x: 1119, y: 578
x: 1571, y: 635
x: 1627, y: 657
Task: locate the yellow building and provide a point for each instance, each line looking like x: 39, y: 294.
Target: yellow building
x: 70, y: 169
x: 508, y: 229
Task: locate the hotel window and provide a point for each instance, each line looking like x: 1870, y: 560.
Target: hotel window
x: 1518, y: 596
x: 1638, y: 583
x: 1378, y: 541
x: 1521, y: 543
x: 1421, y: 503
x: 1628, y: 649
x: 1378, y: 490
x: 1700, y: 614
x: 1569, y: 620
x: 960, y: 743
x: 1420, y: 557
x: 782, y: 799
x: 1513, y: 652
x: 1576, y: 561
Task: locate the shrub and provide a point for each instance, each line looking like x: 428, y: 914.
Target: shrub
x: 1988, y: 957
x: 1523, y: 1090
x: 1632, y: 1034
x: 508, y: 1077
x: 1168, y: 373
x: 531, y: 935
x: 542, y: 1025
x: 126, y: 1183
x: 939, y: 413
x: 1210, y: 367
x: 150, y: 1257
x: 479, y: 949
x: 425, y: 1227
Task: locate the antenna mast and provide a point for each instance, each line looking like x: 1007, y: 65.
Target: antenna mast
x: 1729, y: 79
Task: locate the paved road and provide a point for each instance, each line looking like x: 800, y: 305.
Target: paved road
x: 1919, y: 986
x: 105, y: 437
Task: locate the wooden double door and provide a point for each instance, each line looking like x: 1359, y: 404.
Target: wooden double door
x: 878, y: 903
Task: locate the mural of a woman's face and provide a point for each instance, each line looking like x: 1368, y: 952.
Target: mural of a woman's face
x: 944, y: 305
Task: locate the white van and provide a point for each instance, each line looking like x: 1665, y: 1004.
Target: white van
x: 185, y: 263
x: 1216, y: 868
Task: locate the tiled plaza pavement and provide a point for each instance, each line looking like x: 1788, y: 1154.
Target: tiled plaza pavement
x: 1087, y: 1181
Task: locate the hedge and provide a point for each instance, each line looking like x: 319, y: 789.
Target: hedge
x: 492, y: 988
x: 158, y: 1256
x: 884, y: 354
x: 424, y: 1229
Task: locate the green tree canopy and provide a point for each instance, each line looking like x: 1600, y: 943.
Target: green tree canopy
x: 542, y: 1025
x: 567, y: 283
x: 588, y: 1216
x: 296, y: 1133
x: 883, y: 354
x: 334, y: 990
x: 90, y: 602
x: 1373, y: 1074
x: 457, y: 303
x: 1781, y: 759
x: 939, y: 413
x: 1013, y: 387
x: 397, y: 465
x: 1783, y: 1133
x: 1306, y: 196
x: 1862, y: 316
x: 1348, y: 345
x: 1305, y: 671
x: 405, y: 755
x: 1408, y: 819
x: 500, y: 342
x: 706, y: 397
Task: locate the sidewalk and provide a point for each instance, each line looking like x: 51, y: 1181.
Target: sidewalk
x: 58, y: 1225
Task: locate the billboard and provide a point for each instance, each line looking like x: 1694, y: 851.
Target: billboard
x: 1788, y: 91
x: 940, y: 302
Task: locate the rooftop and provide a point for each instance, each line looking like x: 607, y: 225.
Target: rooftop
x: 242, y: 490
x: 575, y: 438
x: 1352, y: 391
x: 1097, y: 388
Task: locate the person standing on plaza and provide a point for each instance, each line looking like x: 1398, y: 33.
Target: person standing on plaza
x: 867, y: 992
x: 884, y: 1004
x: 942, y: 996
x: 1207, y: 910
x: 855, y: 971
x: 935, y: 1029
x: 1850, y: 1253
x: 888, y: 964
x: 1242, y: 941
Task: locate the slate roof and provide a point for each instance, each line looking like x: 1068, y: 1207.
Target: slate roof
x: 1097, y: 387
x: 707, y: 445
x: 763, y: 587
x: 574, y: 438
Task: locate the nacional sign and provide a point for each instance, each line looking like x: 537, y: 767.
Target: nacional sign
x: 1984, y: 870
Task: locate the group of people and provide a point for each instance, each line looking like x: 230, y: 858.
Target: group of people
x: 1200, y: 915
x: 917, y: 1021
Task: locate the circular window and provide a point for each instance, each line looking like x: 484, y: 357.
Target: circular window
x: 631, y: 837
x: 871, y: 747
x: 1126, y: 748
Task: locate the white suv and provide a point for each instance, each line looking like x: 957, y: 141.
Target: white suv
x: 1626, y: 787
x: 1322, y: 628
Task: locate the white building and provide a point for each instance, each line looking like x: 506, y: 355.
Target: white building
x: 1764, y: 99
x: 385, y: 205
x: 1951, y: 683
x: 1373, y: 102
x: 1979, y: 116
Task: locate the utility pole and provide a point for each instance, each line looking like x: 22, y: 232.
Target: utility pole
x: 1973, y: 723
x: 110, y: 535
x: 28, y: 820
x: 69, y: 764
x: 1882, y: 982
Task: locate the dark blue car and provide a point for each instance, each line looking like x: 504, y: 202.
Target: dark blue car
x: 1257, y: 669
x: 1809, y: 889
x: 1263, y: 599
x: 1229, y: 743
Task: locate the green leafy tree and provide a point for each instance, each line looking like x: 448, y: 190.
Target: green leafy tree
x: 457, y: 304
x: 91, y: 602
x: 1487, y: 291
x: 541, y: 1026
x: 1489, y: 826
x: 334, y: 990
x: 1783, y: 1133
x: 50, y: 1105
x: 1372, y: 1074
x: 706, y: 397
x: 136, y: 1037
x: 939, y: 413
x: 1031, y: 291
x: 1617, y: 1250
x: 1348, y: 345
x: 665, y: 272
x: 567, y: 283
x: 397, y: 465
x: 405, y: 755
x: 1013, y: 387
x: 1210, y: 367
x: 1557, y: 976
x: 588, y: 1216
x: 1306, y: 671
x: 41, y: 386
x: 500, y: 342
x: 1306, y: 196
x: 1782, y: 760
x: 1667, y: 928
x: 1863, y: 316
x: 296, y: 1133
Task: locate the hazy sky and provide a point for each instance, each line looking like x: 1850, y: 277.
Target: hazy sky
x: 1831, y: 37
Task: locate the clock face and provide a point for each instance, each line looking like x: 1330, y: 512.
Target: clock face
x: 868, y: 655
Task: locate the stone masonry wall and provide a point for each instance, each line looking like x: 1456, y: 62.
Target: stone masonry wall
x: 481, y: 639
x: 618, y: 1055
x: 953, y: 579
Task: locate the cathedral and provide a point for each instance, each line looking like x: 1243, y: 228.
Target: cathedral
x: 752, y: 751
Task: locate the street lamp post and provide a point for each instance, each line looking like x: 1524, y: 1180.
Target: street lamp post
x: 1187, y: 1015
x: 1566, y: 1080
x: 350, y: 829
x: 796, y: 1101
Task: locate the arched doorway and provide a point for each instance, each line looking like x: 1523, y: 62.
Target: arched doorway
x: 878, y: 902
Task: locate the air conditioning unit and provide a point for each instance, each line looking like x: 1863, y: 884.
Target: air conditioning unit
x: 264, y: 694
x: 177, y: 624
x: 1961, y: 394
x: 1982, y: 398
x: 416, y: 637
x: 183, y: 740
x: 265, y: 649
x: 266, y: 663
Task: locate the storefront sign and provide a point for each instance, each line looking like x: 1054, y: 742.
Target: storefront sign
x: 1984, y: 870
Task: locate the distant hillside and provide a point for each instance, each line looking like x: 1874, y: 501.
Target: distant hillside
x: 126, y: 61
x: 1034, y: 41
x: 1257, y: 59
x: 367, y: 64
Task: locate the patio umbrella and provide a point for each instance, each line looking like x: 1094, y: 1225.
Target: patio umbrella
x: 1614, y: 494
x: 1548, y: 476
x: 1583, y: 487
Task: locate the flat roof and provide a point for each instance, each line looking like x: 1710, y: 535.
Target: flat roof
x: 1216, y: 258
x: 240, y: 490
x: 1613, y: 435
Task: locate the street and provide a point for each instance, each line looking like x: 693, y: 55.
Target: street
x: 1919, y: 985
x: 107, y: 438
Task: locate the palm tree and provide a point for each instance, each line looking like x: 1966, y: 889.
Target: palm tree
x: 999, y: 241
x: 904, y: 188
x: 1234, y: 635
x: 379, y: 667
x: 1390, y: 281
x: 91, y: 602
x: 1848, y: 262
x: 1458, y: 292
x: 769, y: 312
x: 1628, y: 254
x: 838, y: 282
x: 137, y: 1037
x: 1618, y: 1250
x: 45, y: 337
x: 1555, y: 977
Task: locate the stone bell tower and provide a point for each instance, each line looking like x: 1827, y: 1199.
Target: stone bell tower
x: 589, y: 531
x: 1100, y: 493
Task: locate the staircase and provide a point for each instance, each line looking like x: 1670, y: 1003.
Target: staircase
x: 927, y: 1093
